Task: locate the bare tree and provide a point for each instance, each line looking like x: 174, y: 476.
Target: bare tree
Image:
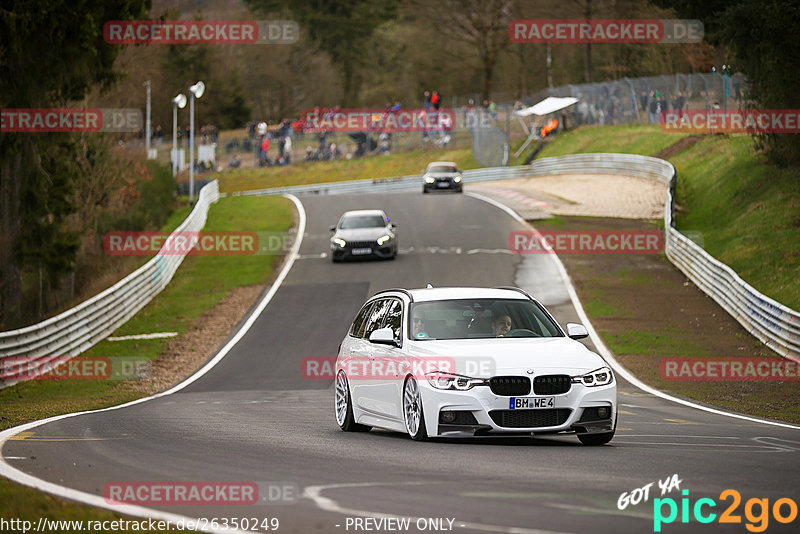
x: 481, y: 23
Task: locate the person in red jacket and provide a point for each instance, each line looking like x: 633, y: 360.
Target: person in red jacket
x: 264, y: 151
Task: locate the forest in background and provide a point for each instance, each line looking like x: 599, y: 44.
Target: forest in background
x: 367, y: 53
x: 60, y: 191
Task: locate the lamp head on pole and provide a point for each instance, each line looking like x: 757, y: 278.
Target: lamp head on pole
x: 179, y: 101
x: 198, y: 89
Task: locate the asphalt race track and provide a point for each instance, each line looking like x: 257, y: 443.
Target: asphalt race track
x: 254, y: 417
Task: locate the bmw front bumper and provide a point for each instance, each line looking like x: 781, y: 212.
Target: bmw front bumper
x: 479, y: 411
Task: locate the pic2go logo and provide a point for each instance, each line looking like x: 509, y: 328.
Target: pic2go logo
x: 757, y: 522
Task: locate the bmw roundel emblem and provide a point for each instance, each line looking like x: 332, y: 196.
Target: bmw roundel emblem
x: 529, y: 371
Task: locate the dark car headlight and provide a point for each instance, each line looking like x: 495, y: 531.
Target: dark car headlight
x: 442, y: 380
x: 598, y: 377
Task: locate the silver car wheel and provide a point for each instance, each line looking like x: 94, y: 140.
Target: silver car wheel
x: 341, y: 398
x: 412, y: 406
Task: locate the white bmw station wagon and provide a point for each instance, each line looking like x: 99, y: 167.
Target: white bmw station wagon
x: 466, y: 361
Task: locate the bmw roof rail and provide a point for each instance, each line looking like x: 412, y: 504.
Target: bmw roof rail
x: 397, y: 289
x: 512, y: 288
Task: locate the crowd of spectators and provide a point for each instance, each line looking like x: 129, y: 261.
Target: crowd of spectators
x: 260, y: 136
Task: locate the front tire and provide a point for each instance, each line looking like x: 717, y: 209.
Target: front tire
x: 596, y: 439
x: 413, y: 413
x: 343, y: 406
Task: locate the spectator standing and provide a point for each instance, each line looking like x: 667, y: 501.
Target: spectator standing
x: 680, y: 103
x: 287, y: 148
x: 427, y: 102
x: 436, y: 100
x: 653, y: 108
x: 263, y: 155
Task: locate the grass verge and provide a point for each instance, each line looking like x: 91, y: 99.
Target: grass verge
x: 372, y: 167
x: 203, y: 281
x: 747, y: 210
x: 645, y: 310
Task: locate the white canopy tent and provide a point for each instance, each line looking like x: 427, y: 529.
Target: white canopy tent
x: 548, y: 105
x: 551, y: 104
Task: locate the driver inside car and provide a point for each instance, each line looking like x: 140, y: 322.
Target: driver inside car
x: 501, y: 324
x: 418, y: 324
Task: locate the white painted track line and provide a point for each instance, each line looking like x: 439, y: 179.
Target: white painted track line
x: 16, y: 475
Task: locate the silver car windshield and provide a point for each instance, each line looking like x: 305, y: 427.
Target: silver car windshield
x: 442, y: 168
x: 362, y: 221
x: 479, y: 319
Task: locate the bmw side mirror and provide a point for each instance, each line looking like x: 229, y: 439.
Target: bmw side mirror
x: 577, y: 331
x: 383, y: 336
x: 333, y: 228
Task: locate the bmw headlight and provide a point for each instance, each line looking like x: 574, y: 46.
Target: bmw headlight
x: 429, y: 179
x: 457, y: 179
x: 339, y: 241
x: 384, y: 239
x: 598, y: 377
x: 441, y: 380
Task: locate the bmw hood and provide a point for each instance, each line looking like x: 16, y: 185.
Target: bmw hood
x: 483, y: 358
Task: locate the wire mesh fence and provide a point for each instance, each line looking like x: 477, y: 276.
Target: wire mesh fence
x: 625, y: 101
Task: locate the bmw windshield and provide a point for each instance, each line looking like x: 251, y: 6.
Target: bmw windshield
x: 479, y: 319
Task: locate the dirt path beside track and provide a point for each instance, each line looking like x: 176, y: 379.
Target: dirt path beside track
x: 593, y: 195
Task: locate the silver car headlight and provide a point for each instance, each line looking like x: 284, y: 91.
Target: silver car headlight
x: 383, y: 239
x: 429, y: 180
x: 339, y: 241
x: 442, y: 380
x: 598, y: 377
x: 457, y: 179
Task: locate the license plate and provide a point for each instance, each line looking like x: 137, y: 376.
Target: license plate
x: 359, y: 251
x: 531, y: 403
x: 443, y: 184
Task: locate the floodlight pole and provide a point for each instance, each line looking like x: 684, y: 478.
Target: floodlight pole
x: 177, y: 102
x: 175, y: 139
x: 147, y: 122
x: 191, y: 148
x: 197, y: 91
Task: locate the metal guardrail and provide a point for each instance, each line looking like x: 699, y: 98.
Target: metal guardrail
x: 76, y: 330
x: 776, y: 325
